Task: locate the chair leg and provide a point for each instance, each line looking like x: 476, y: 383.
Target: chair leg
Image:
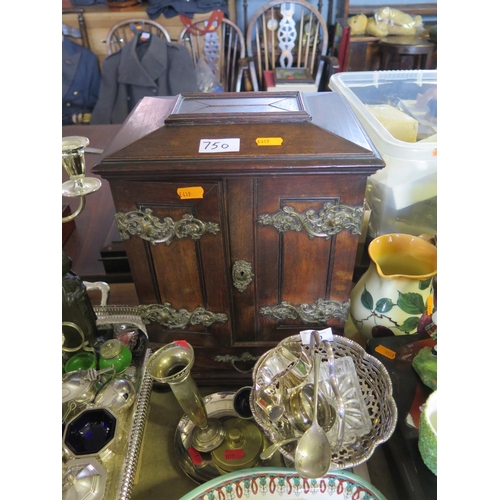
x: 383, y: 60
x: 239, y: 80
x: 253, y: 76
x: 428, y: 60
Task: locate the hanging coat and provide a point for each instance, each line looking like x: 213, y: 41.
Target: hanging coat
x: 81, y: 79
x: 172, y: 8
x: 142, y: 69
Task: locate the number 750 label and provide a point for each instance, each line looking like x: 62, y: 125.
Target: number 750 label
x: 219, y: 145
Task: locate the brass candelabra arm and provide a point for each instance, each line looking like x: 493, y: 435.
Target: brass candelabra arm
x: 78, y: 211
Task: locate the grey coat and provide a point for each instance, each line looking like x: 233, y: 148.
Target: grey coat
x: 142, y: 69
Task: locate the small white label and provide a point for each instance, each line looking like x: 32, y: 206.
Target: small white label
x: 325, y: 334
x: 219, y: 145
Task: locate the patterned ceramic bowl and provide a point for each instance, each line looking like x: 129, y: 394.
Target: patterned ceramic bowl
x: 268, y: 483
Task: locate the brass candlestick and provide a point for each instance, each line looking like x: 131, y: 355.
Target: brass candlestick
x: 171, y: 364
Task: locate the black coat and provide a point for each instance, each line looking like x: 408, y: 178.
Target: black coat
x: 142, y: 69
x: 80, y: 80
x: 172, y: 8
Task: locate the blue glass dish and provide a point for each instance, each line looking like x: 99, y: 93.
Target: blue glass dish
x: 90, y: 432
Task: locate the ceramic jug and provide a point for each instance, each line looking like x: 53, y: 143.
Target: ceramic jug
x: 390, y: 298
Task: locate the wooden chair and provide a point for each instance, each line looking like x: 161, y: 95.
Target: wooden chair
x: 338, y: 61
x: 288, y: 35
x: 122, y: 33
x: 221, y: 45
x: 79, y: 33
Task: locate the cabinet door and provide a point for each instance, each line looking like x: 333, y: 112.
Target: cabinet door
x: 299, y: 236
x: 175, y: 247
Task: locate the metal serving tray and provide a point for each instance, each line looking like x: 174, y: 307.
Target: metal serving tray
x: 121, y: 465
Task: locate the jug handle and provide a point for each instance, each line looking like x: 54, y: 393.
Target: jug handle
x: 101, y: 286
x: 429, y: 238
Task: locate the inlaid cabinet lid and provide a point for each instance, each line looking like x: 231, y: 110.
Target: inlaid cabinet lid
x: 238, y: 108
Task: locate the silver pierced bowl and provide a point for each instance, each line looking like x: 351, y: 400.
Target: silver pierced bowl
x: 376, y: 389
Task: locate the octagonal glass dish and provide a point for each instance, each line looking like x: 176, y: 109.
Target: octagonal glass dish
x: 90, y: 432
x: 376, y: 391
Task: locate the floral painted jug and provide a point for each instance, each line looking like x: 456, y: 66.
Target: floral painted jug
x: 391, y: 297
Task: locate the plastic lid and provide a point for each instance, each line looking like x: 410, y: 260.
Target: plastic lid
x: 381, y: 82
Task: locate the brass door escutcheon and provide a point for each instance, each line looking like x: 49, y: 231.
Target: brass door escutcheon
x: 242, y: 274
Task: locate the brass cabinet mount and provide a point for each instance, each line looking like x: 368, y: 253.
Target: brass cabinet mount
x: 324, y: 224
x: 244, y: 358
x: 317, y: 313
x: 147, y: 226
x: 167, y: 316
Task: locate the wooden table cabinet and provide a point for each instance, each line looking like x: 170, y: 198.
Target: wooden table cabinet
x: 240, y: 215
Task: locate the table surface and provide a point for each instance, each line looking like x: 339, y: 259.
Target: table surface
x: 395, y: 468
x: 160, y: 477
x: 159, y: 474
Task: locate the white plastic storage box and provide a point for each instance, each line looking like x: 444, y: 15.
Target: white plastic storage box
x: 396, y: 107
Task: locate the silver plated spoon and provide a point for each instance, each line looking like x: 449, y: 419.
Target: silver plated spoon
x: 313, y: 455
